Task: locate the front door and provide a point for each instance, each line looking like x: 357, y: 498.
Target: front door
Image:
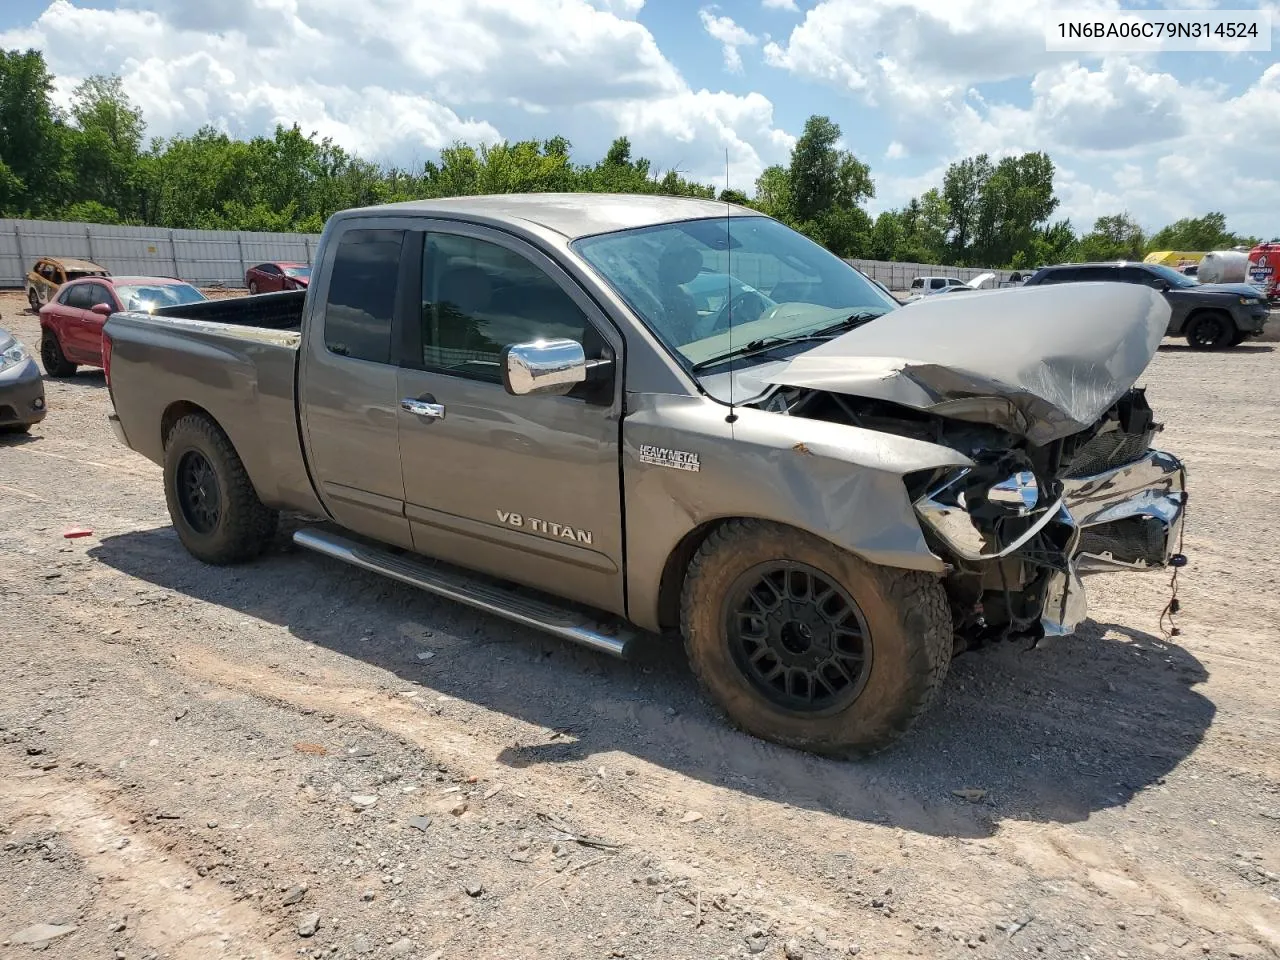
x: 69, y: 310
x: 524, y: 488
x: 89, y: 327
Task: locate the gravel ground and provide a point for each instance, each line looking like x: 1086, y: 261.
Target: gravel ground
x: 295, y: 758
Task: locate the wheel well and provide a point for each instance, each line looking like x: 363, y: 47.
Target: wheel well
x: 1199, y: 312
x: 673, y: 571
x: 175, y: 412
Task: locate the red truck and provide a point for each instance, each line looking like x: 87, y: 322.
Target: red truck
x: 1264, y: 269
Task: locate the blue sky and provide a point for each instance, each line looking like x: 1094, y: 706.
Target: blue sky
x: 913, y: 84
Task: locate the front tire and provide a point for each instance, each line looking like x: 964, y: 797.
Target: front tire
x: 1210, y: 331
x: 55, y: 361
x: 808, y: 646
x: 211, y: 500
x: 33, y: 298
x: 253, y: 288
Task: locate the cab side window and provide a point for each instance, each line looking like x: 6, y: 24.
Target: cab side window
x: 360, y: 305
x: 478, y: 297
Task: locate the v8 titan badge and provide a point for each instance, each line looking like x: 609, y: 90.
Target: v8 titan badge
x: 675, y: 459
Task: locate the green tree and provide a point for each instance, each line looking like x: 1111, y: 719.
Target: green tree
x: 1015, y: 202
x: 773, y: 193
x: 106, y: 147
x: 35, y: 176
x: 886, y: 236
x: 1114, y: 237
x: 823, y: 177
x: 962, y: 188
x: 1197, y: 233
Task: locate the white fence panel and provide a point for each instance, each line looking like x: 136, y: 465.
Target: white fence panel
x: 220, y: 257
x: 209, y: 257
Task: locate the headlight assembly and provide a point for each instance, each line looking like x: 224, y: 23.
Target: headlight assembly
x: 983, y: 520
x: 12, y: 355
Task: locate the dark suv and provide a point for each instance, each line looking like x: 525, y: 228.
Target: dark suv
x: 1210, y: 315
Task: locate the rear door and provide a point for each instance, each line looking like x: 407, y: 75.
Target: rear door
x: 348, y: 395
x: 524, y: 488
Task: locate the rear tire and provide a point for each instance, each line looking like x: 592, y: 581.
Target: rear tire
x: 55, y: 361
x: 33, y: 298
x: 1210, y: 330
x: 884, y: 680
x: 211, y: 500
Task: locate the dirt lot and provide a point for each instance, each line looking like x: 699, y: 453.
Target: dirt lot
x: 295, y: 758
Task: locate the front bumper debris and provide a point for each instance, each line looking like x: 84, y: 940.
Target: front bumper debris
x: 1127, y: 519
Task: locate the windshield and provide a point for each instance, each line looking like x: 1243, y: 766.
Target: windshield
x: 152, y: 295
x: 1173, y: 276
x: 302, y: 273
x: 687, y: 280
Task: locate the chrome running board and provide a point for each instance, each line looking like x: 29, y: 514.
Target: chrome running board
x: 541, y: 615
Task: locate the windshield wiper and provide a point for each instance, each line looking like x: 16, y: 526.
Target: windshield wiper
x: 763, y: 344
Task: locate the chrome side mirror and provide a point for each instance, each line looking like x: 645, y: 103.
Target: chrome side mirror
x: 552, y: 367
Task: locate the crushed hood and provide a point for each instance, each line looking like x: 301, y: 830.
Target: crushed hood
x: 1039, y: 362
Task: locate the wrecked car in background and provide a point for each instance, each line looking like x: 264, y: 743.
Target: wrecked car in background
x: 622, y: 414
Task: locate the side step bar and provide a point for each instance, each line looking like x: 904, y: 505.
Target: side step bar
x: 559, y: 621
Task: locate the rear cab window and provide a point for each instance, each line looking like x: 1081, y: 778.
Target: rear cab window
x: 361, y: 300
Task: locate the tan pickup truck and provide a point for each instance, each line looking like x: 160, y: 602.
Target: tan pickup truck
x: 610, y: 416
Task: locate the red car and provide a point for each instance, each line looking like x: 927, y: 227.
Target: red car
x: 270, y: 277
x: 71, y: 323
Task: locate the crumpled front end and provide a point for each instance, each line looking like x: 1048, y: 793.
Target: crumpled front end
x: 1022, y: 533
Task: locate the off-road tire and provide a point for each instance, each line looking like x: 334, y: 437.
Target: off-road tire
x: 55, y: 361
x: 33, y: 298
x: 245, y: 526
x: 1198, y: 324
x: 906, y: 612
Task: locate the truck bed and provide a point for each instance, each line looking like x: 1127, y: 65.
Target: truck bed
x: 233, y: 360
x: 268, y: 311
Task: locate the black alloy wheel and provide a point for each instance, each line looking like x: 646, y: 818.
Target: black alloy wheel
x: 1209, y: 331
x: 798, y: 637
x: 198, y: 493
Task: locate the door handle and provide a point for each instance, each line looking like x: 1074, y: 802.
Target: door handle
x: 423, y: 408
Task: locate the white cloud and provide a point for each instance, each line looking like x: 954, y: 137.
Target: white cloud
x: 702, y: 126
x: 788, y: 5
x: 621, y: 8
x: 474, y: 71
x: 729, y: 34
x: 895, y: 151
x: 918, y: 58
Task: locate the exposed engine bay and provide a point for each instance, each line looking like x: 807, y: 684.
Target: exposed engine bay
x: 1019, y: 527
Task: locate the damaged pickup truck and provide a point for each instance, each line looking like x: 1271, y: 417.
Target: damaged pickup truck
x: 606, y: 416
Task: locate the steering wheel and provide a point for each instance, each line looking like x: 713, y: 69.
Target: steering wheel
x: 745, y: 307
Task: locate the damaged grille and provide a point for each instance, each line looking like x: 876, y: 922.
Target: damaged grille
x: 1131, y: 540
x: 1122, y: 436
x: 1106, y: 451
